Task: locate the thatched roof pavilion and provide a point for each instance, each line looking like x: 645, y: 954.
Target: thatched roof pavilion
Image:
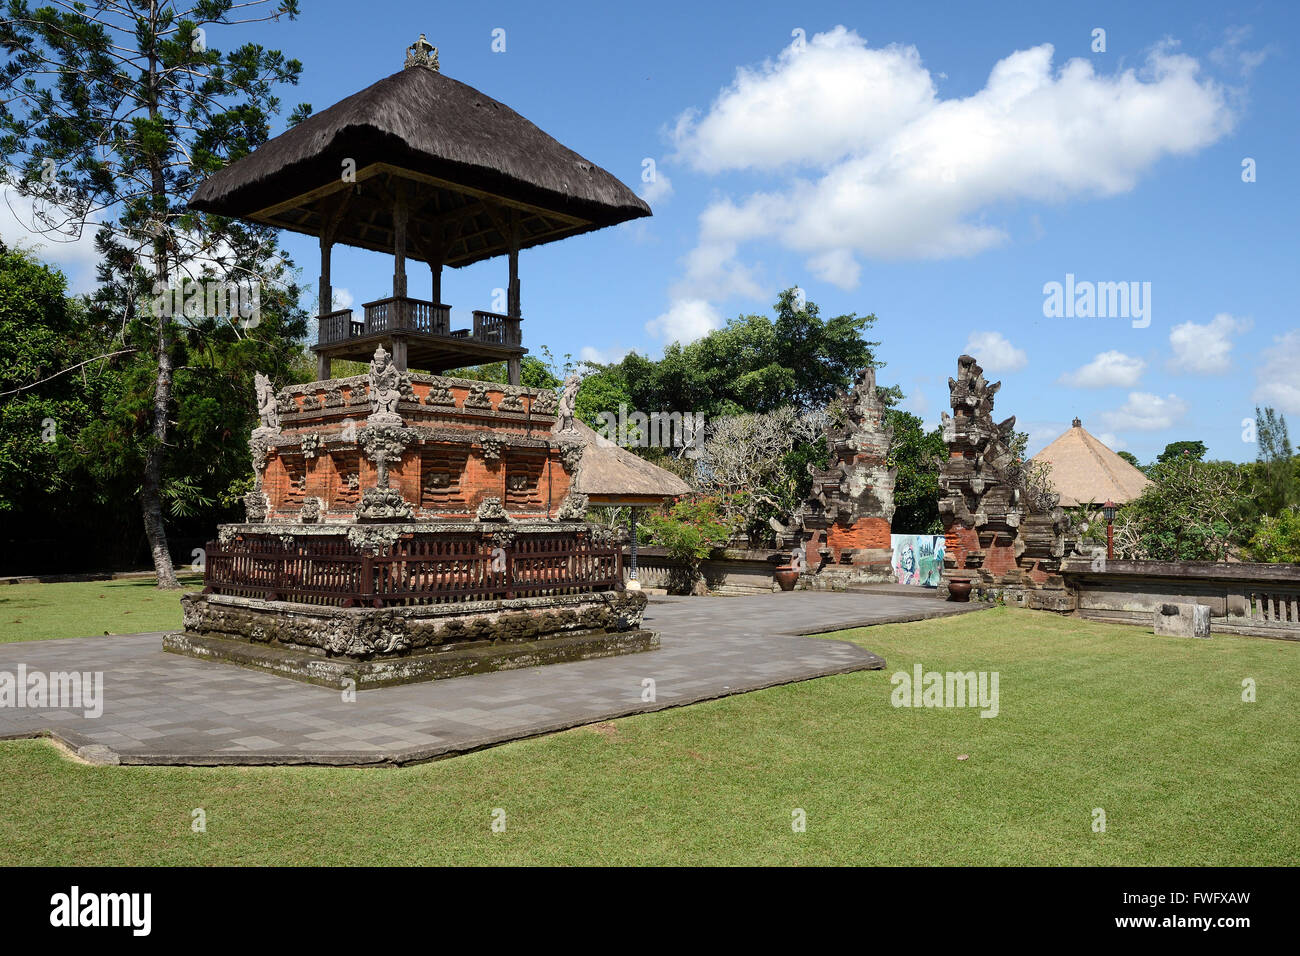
x: 611, y: 475
x: 1085, y: 471
x: 422, y: 166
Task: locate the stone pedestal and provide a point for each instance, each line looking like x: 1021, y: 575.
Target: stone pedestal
x: 1182, y: 620
x: 410, y: 527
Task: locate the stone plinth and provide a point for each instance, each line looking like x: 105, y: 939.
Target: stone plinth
x: 1182, y: 620
x: 410, y: 527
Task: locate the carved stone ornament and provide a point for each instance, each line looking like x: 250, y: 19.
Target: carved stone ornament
x: 384, y: 444
x: 568, y: 402
x: 573, y: 508
x: 385, y: 389
x: 478, y: 397
x: 259, y: 446
x: 256, y: 506
x: 492, y: 448
x: 311, y: 444
x: 571, y: 455
x: 311, y: 508
x: 373, y: 537
x: 491, y: 510
x: 422, y: 53
x: 266, y: 401
x: 544, y: 404
x: 439, y: 395
x: 383, y: 504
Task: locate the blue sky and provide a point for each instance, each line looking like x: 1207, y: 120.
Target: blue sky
x: 934, y: 164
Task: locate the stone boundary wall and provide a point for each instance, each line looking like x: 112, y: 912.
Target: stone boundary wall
x: 730, y: 571
x: 1261, y: 600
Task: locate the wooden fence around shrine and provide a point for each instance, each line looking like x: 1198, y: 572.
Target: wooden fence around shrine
x: 445, y: 569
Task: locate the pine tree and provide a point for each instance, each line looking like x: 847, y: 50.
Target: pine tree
x: 111, y: 113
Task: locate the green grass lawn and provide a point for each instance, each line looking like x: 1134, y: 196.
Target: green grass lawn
x: 37, y: 612
x: 1151, y: 730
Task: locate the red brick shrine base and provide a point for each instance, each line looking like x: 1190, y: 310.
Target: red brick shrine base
x: 843, y: 555
x: 371, y: 606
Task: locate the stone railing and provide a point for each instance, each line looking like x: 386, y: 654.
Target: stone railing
x: 1257, y: 599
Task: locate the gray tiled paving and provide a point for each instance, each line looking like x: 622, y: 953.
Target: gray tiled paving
x: 167, y: 709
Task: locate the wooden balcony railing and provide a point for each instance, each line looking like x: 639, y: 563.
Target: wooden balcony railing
x: 432, y: 569
x: 496, y: 328
x: 400, y: 314
x: 336, y: 326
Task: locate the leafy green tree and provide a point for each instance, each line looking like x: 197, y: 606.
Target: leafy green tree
x: 916, y: 453
x: 55, y: 381
x: 1187, y: 513
x: 1277, y: 538
x: 534, y: 372
x: 1131, y: 458
x: 1176, y: 450
x: 1277, y: 486
x: 751, y: 364
x: 113, y: 113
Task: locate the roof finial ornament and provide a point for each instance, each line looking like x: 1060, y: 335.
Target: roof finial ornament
x: 1076, y: 423
x: 422, y: 53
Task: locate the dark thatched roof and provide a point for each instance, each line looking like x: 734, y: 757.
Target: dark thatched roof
x: 609, y: 474
x: 465, y: 156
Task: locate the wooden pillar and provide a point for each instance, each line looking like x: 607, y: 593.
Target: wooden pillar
x: 399, y: 319
x: 326, y: 290
x: 514, y: 369
x: 400, y: 214
x: 435, y: 269
x: 326, y: 302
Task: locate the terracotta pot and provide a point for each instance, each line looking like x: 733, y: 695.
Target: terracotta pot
x: 959, y: 589
x: 786, y: 576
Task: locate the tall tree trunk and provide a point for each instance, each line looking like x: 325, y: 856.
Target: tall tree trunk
x: 151, y: 487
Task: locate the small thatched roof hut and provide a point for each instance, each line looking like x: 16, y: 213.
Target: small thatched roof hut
x: 610, y: 475
x: 1085, y: 471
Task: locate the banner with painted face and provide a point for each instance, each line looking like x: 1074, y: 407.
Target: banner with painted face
x: 918, y: 559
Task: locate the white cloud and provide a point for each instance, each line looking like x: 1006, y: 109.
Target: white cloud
x: 589, y: 353
x: 1278, y: 379
x: 685, y: 321
x: 1146, y: 412
x: 658, y: 190
x: 1112, y: 441
x: 1106, y: 370
x: 712, y: 271
x: 1041, y: 434
x: 900, y: 173
x: 836, y: 266
x: 1205, y: 349
x: 1233, y: 54
x: 76, y: 258
x: 342, y: 298
x: 994, y: 352
x: 833, y: 97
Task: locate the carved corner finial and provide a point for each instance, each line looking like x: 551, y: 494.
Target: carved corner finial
x: 422, y: 53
